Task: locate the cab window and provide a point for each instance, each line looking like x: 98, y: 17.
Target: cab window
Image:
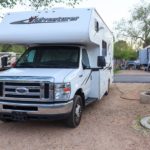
x: 85, y: 58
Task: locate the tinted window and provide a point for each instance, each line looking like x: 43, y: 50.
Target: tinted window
x: 50, y: 57
x: 28, y: 57
x: 85, y: 58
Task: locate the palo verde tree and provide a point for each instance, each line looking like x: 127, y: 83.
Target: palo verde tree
x: 138, y: 26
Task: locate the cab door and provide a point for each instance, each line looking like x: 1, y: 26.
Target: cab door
x: 86, y: 85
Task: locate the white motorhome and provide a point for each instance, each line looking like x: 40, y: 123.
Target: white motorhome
x: 68, y: 64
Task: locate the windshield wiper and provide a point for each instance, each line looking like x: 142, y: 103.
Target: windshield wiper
x: 25, y: 66
x: 47, y: 65
x: 56, y: 66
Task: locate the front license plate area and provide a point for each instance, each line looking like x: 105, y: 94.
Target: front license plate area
x: 19, y: 116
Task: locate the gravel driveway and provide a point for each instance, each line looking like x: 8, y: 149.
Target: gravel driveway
x: 106, y: 125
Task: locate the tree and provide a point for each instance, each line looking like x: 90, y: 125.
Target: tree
x: 8, y: 3
x: 123, y: 51
x: 5, y: 47
x: 37, y: 3
x: 12, y: 48
x: 138, y: 26
x: 48, y: 3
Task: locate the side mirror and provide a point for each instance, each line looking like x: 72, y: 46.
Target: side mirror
x: 4, y: 61
x: 101, y: 62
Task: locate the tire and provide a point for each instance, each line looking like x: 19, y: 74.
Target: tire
x: 107, y: 92
x: 75, y: 116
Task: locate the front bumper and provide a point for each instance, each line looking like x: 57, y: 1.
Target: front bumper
x: 36, y: 109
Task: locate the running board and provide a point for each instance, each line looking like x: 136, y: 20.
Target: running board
x: 90, y: 100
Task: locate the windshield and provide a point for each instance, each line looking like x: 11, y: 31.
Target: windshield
x: 50, y: 57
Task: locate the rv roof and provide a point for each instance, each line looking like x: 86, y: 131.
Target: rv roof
x: 45, y: 27
x: 52, y: 26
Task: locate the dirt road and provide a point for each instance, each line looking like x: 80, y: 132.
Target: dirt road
x: 109, y: 124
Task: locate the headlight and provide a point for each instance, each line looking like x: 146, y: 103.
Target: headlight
x: 62, y: 91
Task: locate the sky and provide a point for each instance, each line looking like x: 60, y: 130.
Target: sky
x: 110, y: 10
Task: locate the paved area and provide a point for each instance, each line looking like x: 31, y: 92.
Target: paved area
x: 132, y: 77
x: 110, y: 124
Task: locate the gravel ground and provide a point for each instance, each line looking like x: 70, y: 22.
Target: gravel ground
x: 109, y: 124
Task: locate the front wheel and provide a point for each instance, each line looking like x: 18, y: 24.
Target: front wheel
x: 76, y: 113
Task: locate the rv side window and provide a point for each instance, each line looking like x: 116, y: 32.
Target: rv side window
x: 85, y: 58
x: 96, y: 26
x: 104, y: 48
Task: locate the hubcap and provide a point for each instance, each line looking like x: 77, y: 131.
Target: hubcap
x: 78, y: 111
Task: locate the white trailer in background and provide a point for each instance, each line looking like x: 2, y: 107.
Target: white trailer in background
x: 68, y: 65
x: 148, y: 50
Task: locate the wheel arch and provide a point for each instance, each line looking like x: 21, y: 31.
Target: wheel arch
x: 81, y: 93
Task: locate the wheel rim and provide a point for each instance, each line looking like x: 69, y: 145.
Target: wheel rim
x: 78, y: 112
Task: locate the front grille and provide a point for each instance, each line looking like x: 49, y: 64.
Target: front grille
x: 21, y: 84
x: 27, y: 91
x: 46, y: 90
x: 21, y: 96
